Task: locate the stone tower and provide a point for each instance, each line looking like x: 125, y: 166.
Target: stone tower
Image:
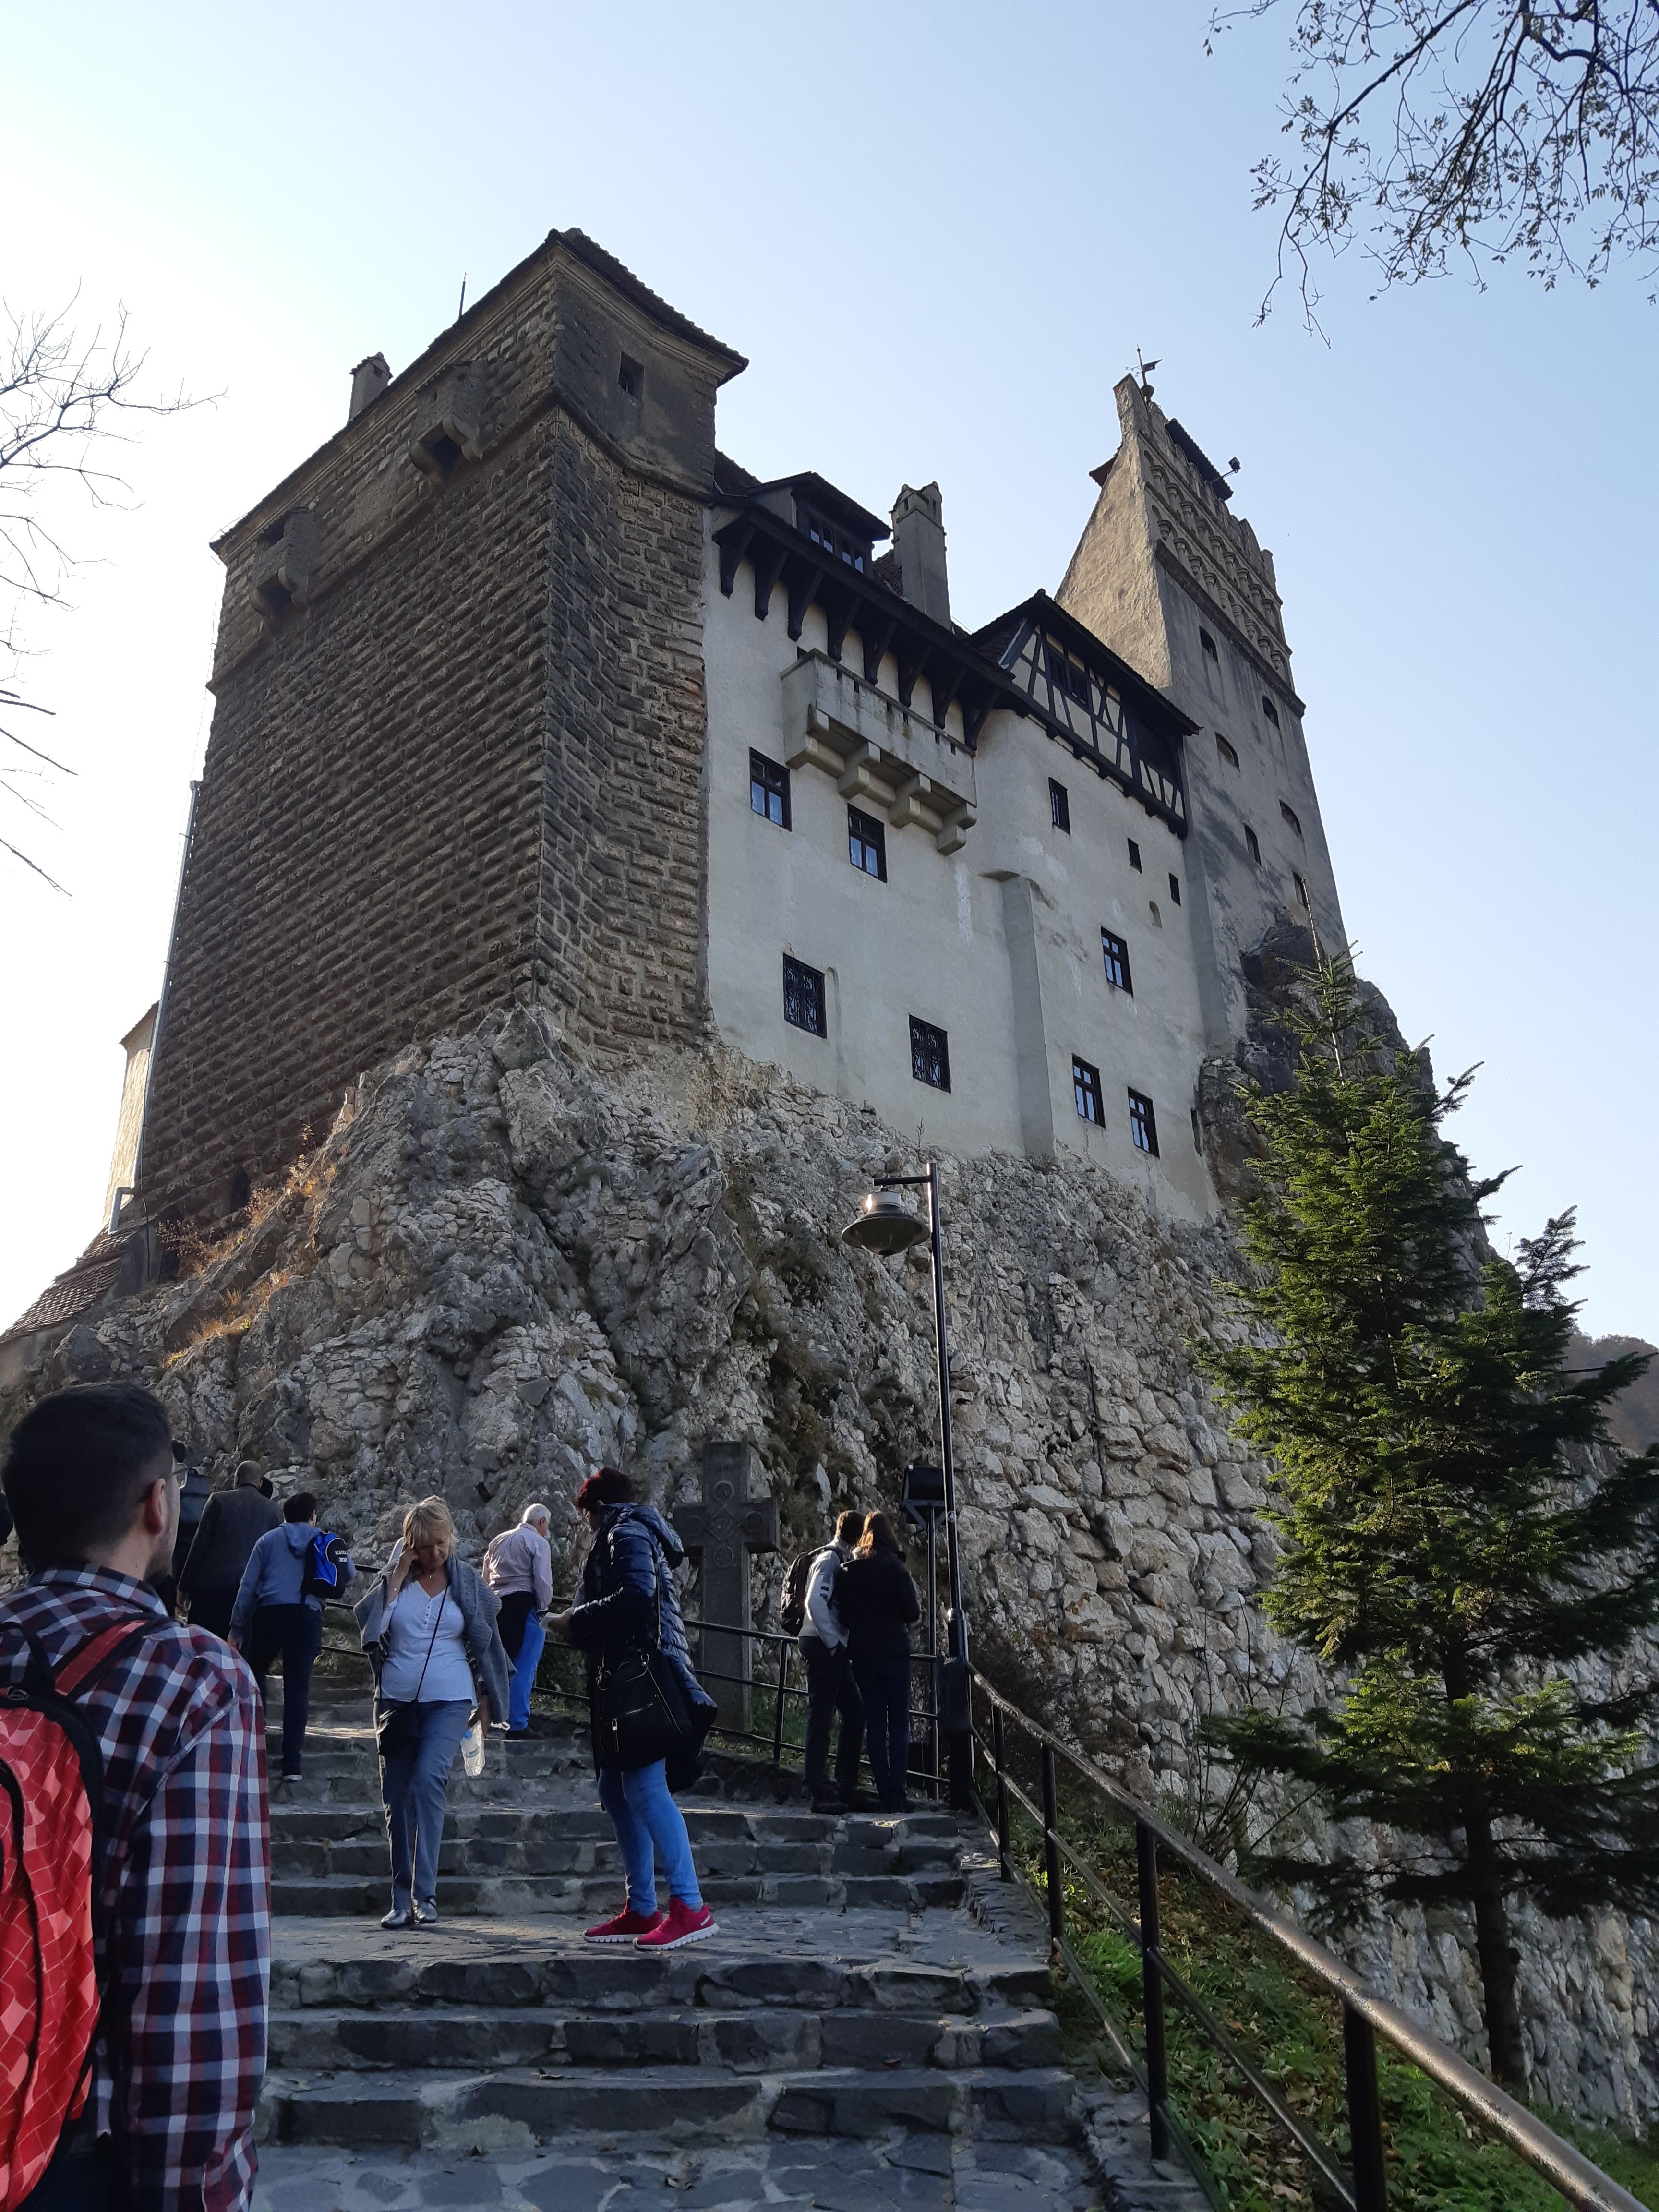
x: 459, y: 723
x: 1171, y: 579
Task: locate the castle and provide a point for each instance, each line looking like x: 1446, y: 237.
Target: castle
x: 525, y: 692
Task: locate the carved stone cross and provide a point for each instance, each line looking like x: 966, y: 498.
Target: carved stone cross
x: 725, y: 1528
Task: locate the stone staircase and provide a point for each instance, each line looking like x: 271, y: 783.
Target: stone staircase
x: 856, y: 2034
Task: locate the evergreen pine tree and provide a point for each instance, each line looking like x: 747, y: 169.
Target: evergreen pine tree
x: 1482, y: 1591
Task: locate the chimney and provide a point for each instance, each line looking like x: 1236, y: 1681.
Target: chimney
x: 919, y: 541
x: 369, y: 380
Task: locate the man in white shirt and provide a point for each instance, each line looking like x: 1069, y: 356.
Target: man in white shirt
x: 518, y: 1567
x: 831, y: 1688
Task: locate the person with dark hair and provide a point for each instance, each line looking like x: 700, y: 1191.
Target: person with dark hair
x: 831, y: 1688
x: 629, y: 1600
x: 877, y: 1601
x: 194, y: 1492
x: 233, y: 1522
x: 278, y: 1613
x: 180, y: 1914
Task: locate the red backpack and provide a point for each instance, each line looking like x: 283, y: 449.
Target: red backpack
x: 51, y: 1853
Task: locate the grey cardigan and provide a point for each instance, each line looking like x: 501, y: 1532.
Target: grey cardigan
x: 479, y: 1606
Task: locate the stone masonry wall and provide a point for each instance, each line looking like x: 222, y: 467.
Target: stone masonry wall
x: 504, y: 1266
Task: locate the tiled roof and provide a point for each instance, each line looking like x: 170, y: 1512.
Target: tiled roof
x: 87, y: 1284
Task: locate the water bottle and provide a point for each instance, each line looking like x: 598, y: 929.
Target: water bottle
x: 472, y: 1748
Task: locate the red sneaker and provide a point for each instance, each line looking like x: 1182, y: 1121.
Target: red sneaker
x: 624, y: 1927
x: 682, y: 1923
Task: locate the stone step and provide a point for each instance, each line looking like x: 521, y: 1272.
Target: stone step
x: 330, y: 1896
x: 688, y: 2103
x: 768, y: 2040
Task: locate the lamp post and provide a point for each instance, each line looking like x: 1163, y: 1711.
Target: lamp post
x: 885, y: 1224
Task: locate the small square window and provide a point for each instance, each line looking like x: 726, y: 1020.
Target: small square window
x: 930, y: 1055
x: 866, y: 844
x: 1134, y: 856
x: 803, y: 997
x: 1208, y: 644
x: 1229, y: 753
x: 1142, y: 1124
x: 1301, y: 892
x: 1290, y: 815
x: 1175, y: 891
x: 1270, y: 710
x: 1116, y: 954
x: 769, y: 789
x: 631, y: 376
x: 1085, y: 1089
x: 1060, y: 806
x: 1253, y: 844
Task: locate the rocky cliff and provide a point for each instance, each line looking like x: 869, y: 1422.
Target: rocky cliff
x: 502, y: 1267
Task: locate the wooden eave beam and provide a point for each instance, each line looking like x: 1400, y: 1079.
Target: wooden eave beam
x: 804, y: 578
x: 877, y: 635
x: 769, y: 562
x: 734, y: 542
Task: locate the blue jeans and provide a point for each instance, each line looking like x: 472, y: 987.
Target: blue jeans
x: 885, y: 1686
x: 414, y: 1784
x: 645, y: 1816
x: 524, y: 1673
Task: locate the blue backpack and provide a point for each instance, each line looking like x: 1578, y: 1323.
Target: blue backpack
x: 325, y: 1562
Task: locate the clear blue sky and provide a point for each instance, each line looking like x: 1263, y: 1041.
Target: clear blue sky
x: 938, y: 233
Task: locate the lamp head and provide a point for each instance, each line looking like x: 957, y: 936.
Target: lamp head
x: 883, y: 1225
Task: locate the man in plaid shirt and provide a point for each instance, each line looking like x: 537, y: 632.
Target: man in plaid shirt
x: 90, y: 1480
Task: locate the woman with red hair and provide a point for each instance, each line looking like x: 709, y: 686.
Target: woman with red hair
x: 629, y: 1601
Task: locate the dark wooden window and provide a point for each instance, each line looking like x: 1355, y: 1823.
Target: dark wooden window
x: 1253, y: 844
x: 866, y: 843
x: 1142, y: 1124
x: 1060, y: 806
x: 1066, y: 676
x: 1270, y: 710
x: 1228, y: 753
x: 1116, y: 954
x: 1134, y: 856
x: 1085, y: 1089
x: 803, y: 997
x: 769, y: 789
x: 1175, y: 891
x: 833, y: 538
x: 1301, y: 892
x: 631, y: 376
x: 1208, y: 644
x: 930, y: 1055
x: 1290, y: 816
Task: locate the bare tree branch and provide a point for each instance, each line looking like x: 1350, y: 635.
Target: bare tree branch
x: 1475, y: 130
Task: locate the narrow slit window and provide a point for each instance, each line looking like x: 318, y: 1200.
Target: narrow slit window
x: 930, y: 1055
x: 1229, y: 753
x: 1134, y: 856
x: 1086, y: 1090
x: 1290, y: 816
x: 769, y: 789
x: 1301, y: 892
x: 1270, y: 710
x: 1208, y: 644
x: 1175, y: 891
x: 1198, y: 1134
x: 1253, y: 844
x: 803, y: 1006
x: 866, y: 844
x: 1116, y: 954
x: 1142, y: 1124
x: 630, y: 375
x: 1060, y: 806
x: 1157, y: 919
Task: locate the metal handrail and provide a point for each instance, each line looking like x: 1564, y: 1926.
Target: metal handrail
x: 1365, y: 2017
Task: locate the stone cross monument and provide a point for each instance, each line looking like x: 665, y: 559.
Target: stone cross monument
x: 725, y: 1528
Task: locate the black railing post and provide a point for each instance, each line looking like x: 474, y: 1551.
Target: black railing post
x: 1151, y: 1986
x: 1370, y: 2184
x: 777, y: 1718
x: 1005, y: 1871
x: 1051, y: 1874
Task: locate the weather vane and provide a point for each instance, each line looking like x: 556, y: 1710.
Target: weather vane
x: 1145, y: 368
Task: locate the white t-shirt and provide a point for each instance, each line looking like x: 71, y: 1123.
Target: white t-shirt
x: 415, y: 1617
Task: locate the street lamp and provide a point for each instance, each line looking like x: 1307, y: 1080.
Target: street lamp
x: 885, y: 1224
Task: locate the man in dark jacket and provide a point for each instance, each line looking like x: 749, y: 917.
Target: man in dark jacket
x: 233, y: 1522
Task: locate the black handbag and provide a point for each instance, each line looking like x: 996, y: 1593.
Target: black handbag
x: 641, y: 1713
x: 396, y: 1726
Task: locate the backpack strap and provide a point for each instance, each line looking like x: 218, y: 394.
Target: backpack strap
x: 100, y: 1652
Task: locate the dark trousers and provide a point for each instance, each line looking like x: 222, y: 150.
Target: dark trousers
x: 885, y: 1686
x: 85, y: 2175
x: 516, y: 1608
x: 293, y: 1633
x: 211, y: 1607
x: 830, y: 1690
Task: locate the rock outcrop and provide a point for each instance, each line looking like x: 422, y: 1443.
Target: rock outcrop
x: 503, y: 1266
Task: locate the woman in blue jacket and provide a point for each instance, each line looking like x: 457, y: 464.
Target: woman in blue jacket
x: 628, y: 1599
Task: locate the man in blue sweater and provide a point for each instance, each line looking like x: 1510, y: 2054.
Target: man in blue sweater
x: 275, y: 1616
